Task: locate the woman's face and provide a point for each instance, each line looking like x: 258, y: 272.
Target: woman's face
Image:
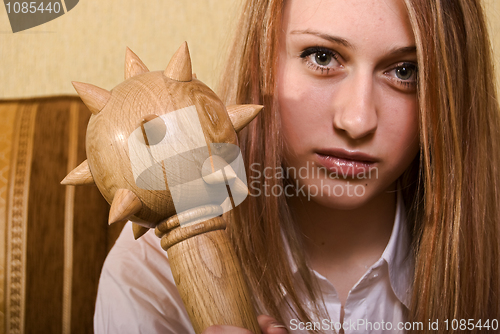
x: 347, y: 94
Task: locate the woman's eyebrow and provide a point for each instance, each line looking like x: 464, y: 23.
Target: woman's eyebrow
x: 339, y: 40
x: 334, y: 39
x: 403, y: 50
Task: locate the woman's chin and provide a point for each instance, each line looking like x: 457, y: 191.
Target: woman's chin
x: 341, y: 202
x: 341, y: 195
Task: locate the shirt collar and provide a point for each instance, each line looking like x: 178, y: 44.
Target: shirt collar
x: 397, y: 255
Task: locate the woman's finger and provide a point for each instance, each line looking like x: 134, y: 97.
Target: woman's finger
x: 225, y: 329
x: 269, y: 325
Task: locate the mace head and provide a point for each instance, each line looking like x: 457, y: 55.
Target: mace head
x: 162, y: 142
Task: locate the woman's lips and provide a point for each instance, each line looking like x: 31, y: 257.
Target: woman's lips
x: 346, y: 164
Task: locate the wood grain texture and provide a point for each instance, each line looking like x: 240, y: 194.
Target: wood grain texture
x: 192, y: 229
x: 133, y: 65
x: 217, y: 271
x: 211, y: 171
x: 241, y: 115
x: 173, y: 222
x: 179, y: 67
x: 125, y: 204
x: 95, y: 98
x: 131, y: 101
x: 79, y: 176
x: 139, y: 230
x: 146, y: 150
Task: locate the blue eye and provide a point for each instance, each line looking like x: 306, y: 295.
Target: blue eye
x: 320, y: 58
x: 406, y: 72
x: 323, y: 58
x: 405, y: 75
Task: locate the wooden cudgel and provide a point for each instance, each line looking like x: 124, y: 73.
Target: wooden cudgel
x: 162, y: 150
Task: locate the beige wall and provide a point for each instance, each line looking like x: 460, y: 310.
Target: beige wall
x: 87, y: 44
x: 492, y: 8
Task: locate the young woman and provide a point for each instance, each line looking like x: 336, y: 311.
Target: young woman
x: 372, y: 171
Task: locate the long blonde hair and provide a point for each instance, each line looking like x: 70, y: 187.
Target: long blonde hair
x: 450, y: 190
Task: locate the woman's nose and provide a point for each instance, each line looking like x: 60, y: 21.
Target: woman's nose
x: 354, y: 108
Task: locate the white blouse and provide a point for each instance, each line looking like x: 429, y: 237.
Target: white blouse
x: 377, y: 302
x: 137, y: 293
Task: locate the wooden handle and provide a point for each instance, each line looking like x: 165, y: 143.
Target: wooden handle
x: 149, y: 174
x: 210, y: 281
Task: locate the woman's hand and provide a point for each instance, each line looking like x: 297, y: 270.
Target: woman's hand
x: 268, y: 325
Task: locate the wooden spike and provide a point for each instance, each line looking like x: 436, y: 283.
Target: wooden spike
x: 79, y: 176
x: 125, y: 204
x: 139, y: 230
x: 242, y: 114
x: 179, y: 67
x: 95, y: 98
x: 133, y: 65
